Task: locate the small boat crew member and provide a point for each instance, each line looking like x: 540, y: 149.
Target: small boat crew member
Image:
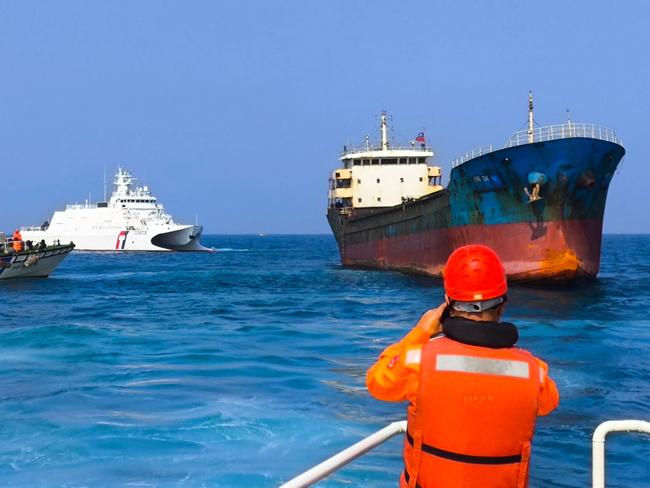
x: 17, y: 241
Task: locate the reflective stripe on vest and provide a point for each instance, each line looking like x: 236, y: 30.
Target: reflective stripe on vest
x: 413, y: 356
x: 466, y: 458
x: 472, y: 364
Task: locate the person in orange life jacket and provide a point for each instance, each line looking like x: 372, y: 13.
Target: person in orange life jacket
x: 18, y: 241
x: 473, y: 396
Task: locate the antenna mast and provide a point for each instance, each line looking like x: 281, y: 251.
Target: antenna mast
x: 384, y: 132
x: 531, y: 137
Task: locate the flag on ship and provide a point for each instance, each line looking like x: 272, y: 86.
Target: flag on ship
x: 420, y: 137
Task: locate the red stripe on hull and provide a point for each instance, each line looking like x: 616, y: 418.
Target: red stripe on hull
x: 558, y: 250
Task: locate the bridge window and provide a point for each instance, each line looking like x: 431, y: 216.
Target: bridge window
x: 375, y: 161
x: 344, y: 183
x: 366, y: 162
x: 402, y: 160
x: 357, y: 162
x: 389, y: 161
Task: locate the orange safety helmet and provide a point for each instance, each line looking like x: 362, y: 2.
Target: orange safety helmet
x: 474, y: 273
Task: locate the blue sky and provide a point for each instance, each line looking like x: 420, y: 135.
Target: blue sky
x: 236, y: 111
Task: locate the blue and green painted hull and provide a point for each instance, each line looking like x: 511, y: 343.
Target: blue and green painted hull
x: 557, y: 237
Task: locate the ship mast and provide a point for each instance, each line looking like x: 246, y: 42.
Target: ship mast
x: 384, y: 132
x: 531, y: 137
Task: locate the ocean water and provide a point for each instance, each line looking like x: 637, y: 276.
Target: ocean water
x: 245, y: 367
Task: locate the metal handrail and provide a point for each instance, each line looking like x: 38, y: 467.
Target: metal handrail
x: 564, y: 131
x: 339, y: 460
x: 358, y: 150
x: 32, y: 228
x: 474, y: 153
x: 598, y: 444
x: 344, y: 457
x: 547, y: 133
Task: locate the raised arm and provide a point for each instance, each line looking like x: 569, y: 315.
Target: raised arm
x: 549, y: 397
x: 394, y: 377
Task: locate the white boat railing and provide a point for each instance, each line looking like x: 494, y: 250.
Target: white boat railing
x: 352, y: 150
x: 564, y: 131
x: 344, y: 457
x: 598, y: 444
x: 547, y: 133
x: 474, y: 153
x: 339, y: 460
x: 33, y: 228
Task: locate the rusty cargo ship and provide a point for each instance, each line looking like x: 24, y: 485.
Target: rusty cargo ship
x: 538, y: 202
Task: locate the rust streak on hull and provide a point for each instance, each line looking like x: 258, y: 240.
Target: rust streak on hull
x: 559, y: 255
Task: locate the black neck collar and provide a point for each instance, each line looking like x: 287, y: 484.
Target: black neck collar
x: 486, y: 334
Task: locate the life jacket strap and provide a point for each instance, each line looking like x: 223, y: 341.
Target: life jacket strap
x: 416, y: 454
x: 407, y: 477
x: 523, y: 471
x: 466, y: 458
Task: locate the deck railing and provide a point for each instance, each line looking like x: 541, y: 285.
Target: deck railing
x: 547, y: 133
x: 352, y: 150
x: 339, y: 460
x: 33, y: 228
x: 598, y: 444
x: 474, y: 153
x: 564, y: 131
x: 344, y: 457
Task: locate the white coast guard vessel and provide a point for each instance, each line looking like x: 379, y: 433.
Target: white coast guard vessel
x: 131, y: 220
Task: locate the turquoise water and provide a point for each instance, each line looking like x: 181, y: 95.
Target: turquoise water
x: 246, y: 366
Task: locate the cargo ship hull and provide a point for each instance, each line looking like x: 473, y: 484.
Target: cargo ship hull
x: 557, y: 237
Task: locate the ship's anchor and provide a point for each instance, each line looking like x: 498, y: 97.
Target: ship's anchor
x: 536, y: 181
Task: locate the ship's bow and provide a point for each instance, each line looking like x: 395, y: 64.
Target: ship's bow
x: 540, y: 205
x: 185, y: 238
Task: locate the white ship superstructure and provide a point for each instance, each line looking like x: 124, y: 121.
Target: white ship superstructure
x: 131, y: 220
x: 384, y: 176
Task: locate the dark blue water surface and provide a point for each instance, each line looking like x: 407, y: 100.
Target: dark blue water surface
x: 246, y: 366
